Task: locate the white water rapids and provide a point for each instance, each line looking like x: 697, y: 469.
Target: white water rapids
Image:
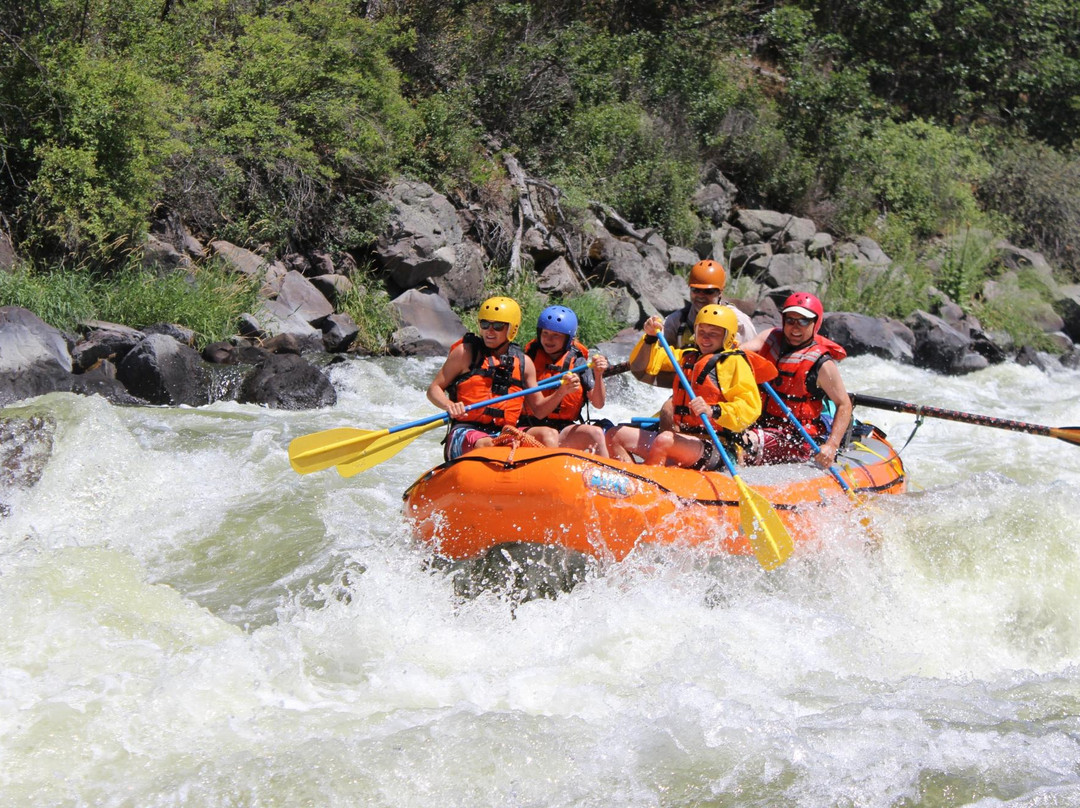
x: 184, y: 621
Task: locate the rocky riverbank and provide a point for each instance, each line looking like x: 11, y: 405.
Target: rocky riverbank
x: 432, y: 257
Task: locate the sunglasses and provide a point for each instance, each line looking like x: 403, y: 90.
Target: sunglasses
x: 803, y: 321
x: 488, y: 325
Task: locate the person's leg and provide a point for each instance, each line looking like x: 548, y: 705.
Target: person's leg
x: 673, y: 449
x: 464, y: 438
x: 545, y: 434
x: 624, y: 441
x: 587, y: 437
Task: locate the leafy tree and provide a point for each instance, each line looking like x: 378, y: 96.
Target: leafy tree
x: 1037, y: 188
x: 958, y: 60
x: 297, y: 121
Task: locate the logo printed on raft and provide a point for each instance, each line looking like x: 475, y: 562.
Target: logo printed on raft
x: 608, y: 483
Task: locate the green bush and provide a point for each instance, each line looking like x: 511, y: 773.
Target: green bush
x: 369, y: 306
x: 966, y: 262
x: 1038, y: 189
x: 97, y: 157
x: 296, y: 121
x: 619, y: 154
x: 896, y: 292
x: 209, y: 301
x: 62, y: 299
x: 921, y: 178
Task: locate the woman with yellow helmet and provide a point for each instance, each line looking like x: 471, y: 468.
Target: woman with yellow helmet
x: 725, y: 389
x: 483, y: 366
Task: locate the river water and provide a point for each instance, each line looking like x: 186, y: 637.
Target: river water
x: 184, y: 621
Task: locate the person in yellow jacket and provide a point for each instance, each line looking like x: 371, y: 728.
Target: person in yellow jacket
x: 725, y: 389
x: 706, y: 283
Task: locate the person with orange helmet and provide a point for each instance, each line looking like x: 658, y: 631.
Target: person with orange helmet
x: 808, y: 375
x: 649, y: 364
x: 482, y: 367
x: 725, y: 389
x: 706, y: 282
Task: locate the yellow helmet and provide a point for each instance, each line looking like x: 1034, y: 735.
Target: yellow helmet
x: 707, y: 274
x: 722, y: 317
x: 501, y: 310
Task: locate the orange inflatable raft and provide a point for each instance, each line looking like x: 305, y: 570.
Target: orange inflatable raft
x: 605, y: 508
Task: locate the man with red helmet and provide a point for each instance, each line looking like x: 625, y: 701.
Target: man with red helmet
x: 808, y: 374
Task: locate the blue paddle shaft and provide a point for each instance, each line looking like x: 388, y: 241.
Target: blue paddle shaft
x: 548, y: 384
x: 690, y: 391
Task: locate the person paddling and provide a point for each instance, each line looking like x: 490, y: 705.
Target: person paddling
x: 707, y: 281
x: 556, y: 349
x: 726, y: 388
x: 482, y: 367
x: 808, y: 374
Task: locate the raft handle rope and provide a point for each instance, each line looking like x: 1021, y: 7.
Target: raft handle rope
x: 508, y: 465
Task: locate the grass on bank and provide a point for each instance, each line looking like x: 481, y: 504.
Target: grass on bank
x: 208, y: 300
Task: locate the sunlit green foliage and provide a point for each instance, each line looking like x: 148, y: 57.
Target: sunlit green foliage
x: 911, y: 181
x: 297, y: 120
x: 209, y: 300
x: 1038, y: 189
x: 280, y: 122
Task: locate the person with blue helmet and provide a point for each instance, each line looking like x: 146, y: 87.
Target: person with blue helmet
x: 556, y: 349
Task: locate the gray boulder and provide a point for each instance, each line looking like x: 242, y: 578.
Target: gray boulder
x: 641, y: 267
x: 429, y: 327
x: 860, y: 334
x: 421, y: 241
x: 287, y: 382
x: 939, y: 346
x: 110, y: 341
x: 34, y: 357
x: 163, y: 371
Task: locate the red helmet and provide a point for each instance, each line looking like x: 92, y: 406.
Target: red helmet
x: 805, y: 304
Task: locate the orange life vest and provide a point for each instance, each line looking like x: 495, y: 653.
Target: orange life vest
x: 701, y: 373
x: 569, y: 409
x: 490, y: 376
x: 797, y: 380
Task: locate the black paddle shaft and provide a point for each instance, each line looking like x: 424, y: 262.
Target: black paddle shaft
x: 1070, y: 434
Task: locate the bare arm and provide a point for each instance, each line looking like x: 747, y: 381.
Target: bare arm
x: 832, y: 384
x: 756, y: 342
x: 598, y: 395
x: 456, y: 364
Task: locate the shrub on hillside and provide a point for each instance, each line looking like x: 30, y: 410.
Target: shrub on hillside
x: 919, y: 179
x: 1038, y: 189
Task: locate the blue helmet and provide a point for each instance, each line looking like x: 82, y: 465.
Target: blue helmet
x: 558, y: 319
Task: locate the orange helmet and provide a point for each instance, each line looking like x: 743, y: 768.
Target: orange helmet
x: 707, y: 274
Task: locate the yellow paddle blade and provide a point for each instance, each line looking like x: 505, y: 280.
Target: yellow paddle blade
x: 383, y: 449
x: 758, y: 519
x: 321, y: 450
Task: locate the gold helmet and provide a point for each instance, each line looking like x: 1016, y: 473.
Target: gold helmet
x: 501, y: 310
x: 722, y: 317
x: 707, y: 274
